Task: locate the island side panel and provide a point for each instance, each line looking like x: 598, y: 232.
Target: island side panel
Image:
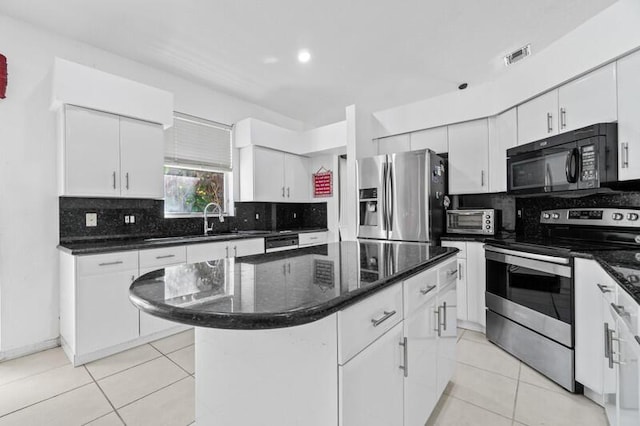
x: 284, y: 376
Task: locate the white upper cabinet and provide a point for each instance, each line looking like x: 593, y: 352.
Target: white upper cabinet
x: 270, y: 175
x: 435, y: 139
x: 107, y: 155
x: 469, y: 157
x: 141, y: 159
x: 391, y: 144
x: 538, y: 118
x: 588, y: 100
x: 628, y: 113
x: 91, y: 155
x: 503, y: 134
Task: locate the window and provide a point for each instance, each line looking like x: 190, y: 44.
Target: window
x: 197, y: 165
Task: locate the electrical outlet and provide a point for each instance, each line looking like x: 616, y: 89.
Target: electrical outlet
x: 126, y: 219
x: 132, y: 219
x: 257, y: 216
x: 295, y: 215
x: 91, y: 219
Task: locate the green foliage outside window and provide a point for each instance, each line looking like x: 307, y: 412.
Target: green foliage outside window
x: 189, y: 191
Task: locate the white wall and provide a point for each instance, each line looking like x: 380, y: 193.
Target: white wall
x: 330, y: 138
x: 612, y: 33
x: 29, y: 209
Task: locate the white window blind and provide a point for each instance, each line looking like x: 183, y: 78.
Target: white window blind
x: 198, y: 143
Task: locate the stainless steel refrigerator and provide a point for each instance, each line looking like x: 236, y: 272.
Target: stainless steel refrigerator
x: 401, y: 196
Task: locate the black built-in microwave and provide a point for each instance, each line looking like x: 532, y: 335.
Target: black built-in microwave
x: 586, y: 158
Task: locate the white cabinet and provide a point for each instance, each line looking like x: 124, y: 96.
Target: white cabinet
x: 269, y: 175
x: 107, y: 155
x: 447, y: 334
x: 371, y: 384
x: 538, y: 118
x: 628, y: 378
x: 503, y: 134
x: 435, y: 139
x: 312, y: 238
x: 628, y: 113
x: 469, y: 157
x: 471, y: 284
x: 233, y: 248
x: 588, y: 100
x: 397, y: 143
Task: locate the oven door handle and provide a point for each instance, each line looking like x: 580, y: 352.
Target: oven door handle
x: 534, y: 256
x: 537, y: 265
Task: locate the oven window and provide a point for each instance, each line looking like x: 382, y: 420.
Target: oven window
x: 545, y: 293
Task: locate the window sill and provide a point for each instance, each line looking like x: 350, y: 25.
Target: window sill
x: 191, y: 215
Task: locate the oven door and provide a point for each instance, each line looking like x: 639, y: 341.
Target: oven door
x: 544, y: 170
x: 534, y: 290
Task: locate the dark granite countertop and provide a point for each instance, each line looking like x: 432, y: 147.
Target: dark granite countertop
x: 122, y: 244
x: 280, y: 289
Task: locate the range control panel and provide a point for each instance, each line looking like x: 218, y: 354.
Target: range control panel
x: 592, y: 217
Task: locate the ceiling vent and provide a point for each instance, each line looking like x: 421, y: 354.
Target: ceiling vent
x: 517, y: 55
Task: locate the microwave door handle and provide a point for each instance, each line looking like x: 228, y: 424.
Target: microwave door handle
x: 548, y: 184
x: 571, y: 166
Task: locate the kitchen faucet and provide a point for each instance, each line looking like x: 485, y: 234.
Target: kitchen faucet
x: 216, y: 207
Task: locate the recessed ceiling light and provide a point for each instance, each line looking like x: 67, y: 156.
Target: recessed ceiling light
x: 304, y: 56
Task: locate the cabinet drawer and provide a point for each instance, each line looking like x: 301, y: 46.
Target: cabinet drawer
x: 419, y: 289
x: 629, y: 309
x: 448, y: 272
x: 107, y: 263
x: 312, y: 238
x: 246, y: 247
x: 364, y: 322
x: 208, y: 251
x: 162, y: 256
x: 460, y: 245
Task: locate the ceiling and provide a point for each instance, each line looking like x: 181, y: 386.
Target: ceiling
x: 378, y: 53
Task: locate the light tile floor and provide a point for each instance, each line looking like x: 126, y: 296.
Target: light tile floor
x: 154, y: 385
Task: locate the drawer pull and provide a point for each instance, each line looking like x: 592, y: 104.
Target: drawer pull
x: 383, y: 318
x: 604, y: 288
x: 166, y: 256
x: 313, y: 238
x: 452, y: 272
x: 619, y: 310
x: 637, y: 339
x: 405, y: 356
x: 427, y: 289
x: 117, y: 262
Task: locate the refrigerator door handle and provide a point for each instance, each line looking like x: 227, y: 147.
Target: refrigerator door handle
x: 385, y: 220
x: 391, y: 198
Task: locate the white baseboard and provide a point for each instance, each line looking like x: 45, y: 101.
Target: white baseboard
x: 29, y: 349
x: 473, y: 326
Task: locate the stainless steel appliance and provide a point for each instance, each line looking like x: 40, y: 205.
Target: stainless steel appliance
x: 473, y: 221
x: 530, y: 284
x: 582, y: 159
x: 280, y: 243
x: 401, y: 196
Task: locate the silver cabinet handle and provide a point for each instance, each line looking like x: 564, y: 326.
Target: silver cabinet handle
x: 383, y: 318
x: 619, y: 310
x: 405, y: 356
x: 604, y: 288
x: 625, y: 155
x: 549, y: 122
x: 283, y: 192
x: 114, y: 180
x: 607, y: 348
x: 288, y: 268
x: 459, y: 271
x: 427, y: 289
x: 117, y: 262
x: 637, y: 339
x: 563, y: 118
x: 444, y: 321
x: 313, y: 238
x: 227, y: 250
x: 127, y: 179
x: 284, y: 269
x: 437, y: 312
x: 166, y: 256
x: 482, y: 178
x: 235, y: 251
x: 452, y: 272
x: 288, y: 192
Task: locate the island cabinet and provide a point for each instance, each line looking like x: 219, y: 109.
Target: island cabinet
x: 270, y: 175
x: 224, y: 249
x: 107, y: 155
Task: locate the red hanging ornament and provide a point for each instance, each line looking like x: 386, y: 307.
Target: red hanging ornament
x: 3, y: 76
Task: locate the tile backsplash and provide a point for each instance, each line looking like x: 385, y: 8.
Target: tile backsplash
x: 150, y: 220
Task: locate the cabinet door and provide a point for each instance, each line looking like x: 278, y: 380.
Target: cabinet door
x: 588, y: 100
x: 297, y: 178
x: 148, y: 323
x: 391, y: 144
x: 461, y: 292
x: 106, y: 317
x: 589, y: 320
x: 141, y: 159
x: 628, y: 377
x: 371, y: 384
x: 268, y: 175
x: 421, y: 377
x: 447, y: 334
x: 469, y: 157
x: 610, y: 378
x: 476, y: 283
x: 628, y: 113
x: 209, y: 251
x: 435, y: 139
x: 503, y: 134
x: 91, y: 153
x: 246, y: 247
x: 538, y: 118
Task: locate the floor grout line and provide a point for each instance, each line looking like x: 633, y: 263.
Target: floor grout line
x: 160, y: 354
x: 515, y: 400
x: 179, y: 366
x: 478, y: 406
x: 106, y: 397
x: 484, y: 369
x: 151, y: 393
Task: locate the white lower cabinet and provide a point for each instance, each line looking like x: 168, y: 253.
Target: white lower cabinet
x: 234, y: 248
x: 447, y: 334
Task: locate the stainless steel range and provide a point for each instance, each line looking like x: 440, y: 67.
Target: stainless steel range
x: 530, y: 284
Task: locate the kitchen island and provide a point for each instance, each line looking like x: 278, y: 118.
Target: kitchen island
x: 345, y: 333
